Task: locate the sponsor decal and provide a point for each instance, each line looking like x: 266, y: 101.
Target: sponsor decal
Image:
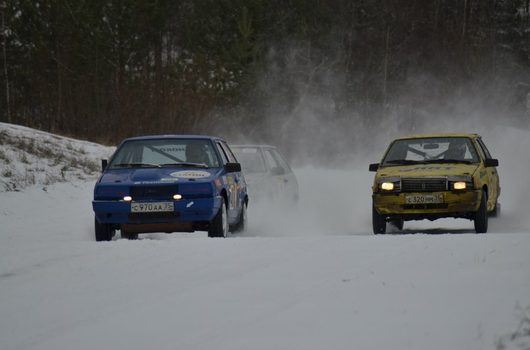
x: 161, y: 181
x: 190, y: 174
x: 171, y: 149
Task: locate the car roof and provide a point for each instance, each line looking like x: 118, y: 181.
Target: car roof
x: 439, y: 135
x: 253, y: 146
x: 173, y: 136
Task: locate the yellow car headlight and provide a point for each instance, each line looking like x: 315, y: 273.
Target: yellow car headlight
x: 387, y: 186
x: 459, y: 185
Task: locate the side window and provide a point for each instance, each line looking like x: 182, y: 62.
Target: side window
x: 271, y: 160
x: 283, y: 163
x: 229, y: 153
x: 223, y: 153
x: 484, y: 149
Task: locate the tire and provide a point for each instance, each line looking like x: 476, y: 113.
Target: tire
x: 378, y: 222
x: 481, y: 216
x: 104, y: 232
x: 398, y: 224
x: 219, y: 225
x: 241, y: 226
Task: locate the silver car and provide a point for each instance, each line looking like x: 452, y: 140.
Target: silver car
x: 267, y: 173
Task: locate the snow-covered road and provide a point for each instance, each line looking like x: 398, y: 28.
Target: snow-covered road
x: 315, y: 278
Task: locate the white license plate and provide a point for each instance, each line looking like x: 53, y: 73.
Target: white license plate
x: 424, y: 199
x: 151, y: 207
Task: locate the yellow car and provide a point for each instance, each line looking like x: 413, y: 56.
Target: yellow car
x: 435, y: 176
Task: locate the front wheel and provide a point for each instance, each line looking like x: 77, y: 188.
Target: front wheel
x: 378, y: 222
x: 481, y: 216
x: 219, y: 225
x: 104, y: 232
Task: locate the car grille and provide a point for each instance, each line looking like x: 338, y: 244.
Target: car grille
x: 423, y: 184
x: 153, y: 192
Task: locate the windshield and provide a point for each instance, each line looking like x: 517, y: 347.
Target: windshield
x: 165, y: 153
x: 251, y: 159
x: 431, y: 150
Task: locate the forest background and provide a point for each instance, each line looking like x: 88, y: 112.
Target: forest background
x: 316, y: 77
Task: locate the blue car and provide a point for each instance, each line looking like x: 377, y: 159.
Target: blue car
x: 170, y: 183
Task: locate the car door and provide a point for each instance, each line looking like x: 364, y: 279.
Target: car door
x: 491, y: 174
x: 277, y: 174
x: 289, y: 179
x: 235, y: 183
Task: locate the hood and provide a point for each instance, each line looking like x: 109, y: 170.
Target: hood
x: 419, y: 170
x: 138, y: 176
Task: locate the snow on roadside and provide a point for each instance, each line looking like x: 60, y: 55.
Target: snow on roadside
x: 32, y: 157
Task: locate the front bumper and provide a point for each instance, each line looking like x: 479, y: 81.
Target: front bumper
x: 455, y: 204
x: 197, y: 210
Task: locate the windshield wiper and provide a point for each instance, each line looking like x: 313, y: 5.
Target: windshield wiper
x: 403, y: 162
x: 136, y: 165
x: 189, y: 164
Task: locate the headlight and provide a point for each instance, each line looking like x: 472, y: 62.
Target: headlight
x: 127, y: 198
x: 177, y: 197
x: 387, y: 186
x: 460, y: 185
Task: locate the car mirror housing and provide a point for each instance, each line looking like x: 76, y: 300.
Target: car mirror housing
x: 373, y: 167
x: 104, y: 163
x: 491, y: 162
x: 232, y: 167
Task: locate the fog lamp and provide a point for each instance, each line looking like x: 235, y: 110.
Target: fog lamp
x: 127, y: 198
x: 177, y: 197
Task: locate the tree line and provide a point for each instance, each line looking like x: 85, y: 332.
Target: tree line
x: 106, y: 69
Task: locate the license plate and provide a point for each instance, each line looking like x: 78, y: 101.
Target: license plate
x: 424, y: 199
x: 151, y: 207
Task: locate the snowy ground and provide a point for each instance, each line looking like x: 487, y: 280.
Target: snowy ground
x: 309, y: 277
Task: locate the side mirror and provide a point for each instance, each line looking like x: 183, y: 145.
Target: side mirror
x: 277, y: 171
x: 373, y: 167
x: 232, y: 167
x: 104, y: 163
x: 491, y: 162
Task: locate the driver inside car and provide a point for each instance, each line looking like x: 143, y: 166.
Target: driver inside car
x: 456, y: 151
x: 196, y: 154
